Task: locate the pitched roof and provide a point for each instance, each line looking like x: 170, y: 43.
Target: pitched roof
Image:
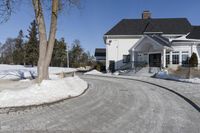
x: 100, y: 52
x: 160, y: 39
x: 195, y: 33
x: 139, y: 26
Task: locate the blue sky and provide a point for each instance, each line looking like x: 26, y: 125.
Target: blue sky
x: 96, y: 17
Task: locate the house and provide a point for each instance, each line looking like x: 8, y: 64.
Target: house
x: 151, y: 42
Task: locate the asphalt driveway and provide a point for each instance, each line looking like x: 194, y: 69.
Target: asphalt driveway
x: 110, y: 105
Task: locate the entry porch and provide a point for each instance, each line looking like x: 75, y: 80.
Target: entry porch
x: 151, y: 51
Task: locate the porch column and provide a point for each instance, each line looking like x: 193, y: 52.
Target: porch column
x: 107, y: 59
x: 170, y: 57
x: 164, y: 58
x: 180, y: 58
x: 132, y: 58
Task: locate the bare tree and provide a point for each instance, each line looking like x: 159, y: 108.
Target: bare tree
x: 46, y: 44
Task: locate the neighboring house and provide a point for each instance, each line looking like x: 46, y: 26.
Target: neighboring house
x: 153, y: 42
x: 100, y: 54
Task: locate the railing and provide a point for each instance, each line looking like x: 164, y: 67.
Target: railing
x: 138, y: 65
x: 126, y: 66
x: 133, y: 65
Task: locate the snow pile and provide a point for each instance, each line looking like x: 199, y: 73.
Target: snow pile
x: 56, y: 70
x: 16, y: 72
x: 116, y: 73
x: 48, y: 91
x: 162, y: 75
x: 86, y: 68
x: 165, y: 75
x: 21, y: 72
x: 192, y: 80
x: 93, y: 72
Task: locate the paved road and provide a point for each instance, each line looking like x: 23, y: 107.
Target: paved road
x: 110, y: 105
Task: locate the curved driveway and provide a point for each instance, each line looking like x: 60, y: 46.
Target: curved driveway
x: 110, y: 105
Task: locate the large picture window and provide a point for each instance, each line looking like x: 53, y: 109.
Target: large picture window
x: 126, y: 58
x: 185, y: 57
x: 167, y: 58
x: 175, y: 57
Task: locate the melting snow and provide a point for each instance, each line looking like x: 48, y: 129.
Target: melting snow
x: 93, y: 72
x: 47, y: 91
x: 165, y: 75
x: 21, y: 72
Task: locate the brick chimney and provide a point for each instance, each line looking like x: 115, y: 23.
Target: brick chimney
x: 146, y: 14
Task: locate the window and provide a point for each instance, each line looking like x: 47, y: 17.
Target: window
x: 167, y: 58
x: 175, y: 57
x: 126, y: 58
x: 185, y: 57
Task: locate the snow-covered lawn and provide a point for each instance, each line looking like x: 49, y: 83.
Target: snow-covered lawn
x: 165, y: 75
x: 48, y: 91
x: 21, y: 72
x: 26, y: 92
x: 161, y: 75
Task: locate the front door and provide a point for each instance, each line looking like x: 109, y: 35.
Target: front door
x: 112, y: 66
x: 155, y: 60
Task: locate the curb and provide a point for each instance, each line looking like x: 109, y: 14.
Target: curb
x: 22, y: 108
x: 193, y: 104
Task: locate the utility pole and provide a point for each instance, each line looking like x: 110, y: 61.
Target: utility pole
x: 67, y: 50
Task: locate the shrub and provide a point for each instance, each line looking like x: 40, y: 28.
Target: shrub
x: 98, y: 67
x: 193, y: 60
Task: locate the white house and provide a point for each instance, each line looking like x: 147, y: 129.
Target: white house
x: 153, y: 42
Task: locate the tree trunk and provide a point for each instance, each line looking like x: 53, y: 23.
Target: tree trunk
x: 52, y: 36
x: 45, y: 47
x: 42, y: 37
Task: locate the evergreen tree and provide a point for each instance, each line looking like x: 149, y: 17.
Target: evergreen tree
x: 18, y: 54
x: 78, y: 57
x: 32, y: 45
x: 76, y: 54
x: 7, y: 50
x: 59, y: 53
x: 193, y: 60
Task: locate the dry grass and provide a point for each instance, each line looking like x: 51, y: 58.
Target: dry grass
x: 185, y: 72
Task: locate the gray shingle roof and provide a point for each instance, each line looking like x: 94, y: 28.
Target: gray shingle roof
x: 139, y: 26
x: 195, y: 33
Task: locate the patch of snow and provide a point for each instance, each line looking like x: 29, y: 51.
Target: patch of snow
x: 116, y: 73
x: 48, y: 91
x: 56, y: 70
x: 192, y: 80
x: 93, y: 72
x: 25, y: 80
x: 21, y: 72
x: 164, y: 75
x: 86, y: 68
